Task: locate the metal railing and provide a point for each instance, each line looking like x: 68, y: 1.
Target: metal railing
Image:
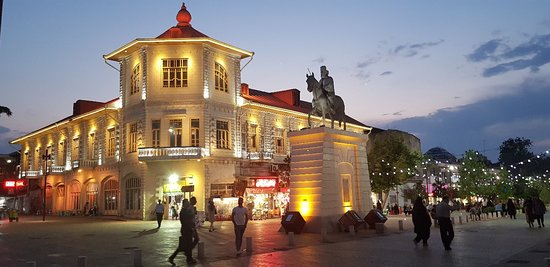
x: 164, y: 153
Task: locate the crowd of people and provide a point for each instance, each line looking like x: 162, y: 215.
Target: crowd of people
x: 440, y: 213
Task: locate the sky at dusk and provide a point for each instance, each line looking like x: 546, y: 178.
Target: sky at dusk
x: 457, y: 74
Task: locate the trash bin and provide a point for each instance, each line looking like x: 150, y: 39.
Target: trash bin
x: 351, y: 218
x: 293, y: 222
x: 13, y: 215
x: 373, y: 217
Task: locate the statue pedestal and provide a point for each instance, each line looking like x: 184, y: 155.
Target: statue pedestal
x: 328, y: 176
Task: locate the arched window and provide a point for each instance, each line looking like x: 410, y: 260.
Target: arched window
x: 221, y: 78
x: 91, y: 194
x: 74, y: 196
x: 133, y: 194
x: 111, y: 195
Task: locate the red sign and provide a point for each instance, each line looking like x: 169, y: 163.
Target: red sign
x: 266, y: 182
x: 9, y: 183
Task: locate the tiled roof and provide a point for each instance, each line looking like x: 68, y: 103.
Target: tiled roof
x: 184, y: 28
x: 271, y: 99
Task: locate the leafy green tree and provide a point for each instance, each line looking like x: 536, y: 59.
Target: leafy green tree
x: 475, y: 177
x: 391, y: 164
x: 5, y: 110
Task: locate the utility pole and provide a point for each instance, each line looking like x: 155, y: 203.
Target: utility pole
x: 46, y: 157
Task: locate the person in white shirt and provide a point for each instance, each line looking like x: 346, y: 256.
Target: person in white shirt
x: 239, y: 217
x: 159, y: 210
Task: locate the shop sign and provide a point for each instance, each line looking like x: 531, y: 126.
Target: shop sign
x: 188, y: 188
x: 266, y: 182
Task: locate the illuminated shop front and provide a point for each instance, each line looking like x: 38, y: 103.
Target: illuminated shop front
x: 175, y: 190
x: 264, y: 198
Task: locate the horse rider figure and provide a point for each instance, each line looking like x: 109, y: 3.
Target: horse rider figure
x: 327, y: 84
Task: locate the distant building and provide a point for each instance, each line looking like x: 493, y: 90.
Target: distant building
x: 183, y: 124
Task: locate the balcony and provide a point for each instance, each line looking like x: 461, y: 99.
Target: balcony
x: 56, y: 169
x: 258, y: 156
x: 30, y: 174
x: 170, y: 153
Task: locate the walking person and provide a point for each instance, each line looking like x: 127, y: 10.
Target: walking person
x: 185, y: 244
x: 528, y: 210
x: 538, y: 211
x: 443, y: 211
x: 159, y: 210
x: 211, y: 215
x: 239, y: 217
x: 511, y: 207
x: 422, y: 222
x: 196, y: 239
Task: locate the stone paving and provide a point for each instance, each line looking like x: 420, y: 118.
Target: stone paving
x: 106, y: 241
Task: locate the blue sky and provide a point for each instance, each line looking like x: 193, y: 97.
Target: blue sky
x: 457, y: 74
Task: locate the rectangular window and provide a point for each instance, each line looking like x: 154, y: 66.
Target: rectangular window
x: 132, y: 137
x: 91, y: 146
x: 346, y: 196
x: 221, y: 78
x: 136, y: 81
x: 222, y: 134
x: 75, y: 149
x: 221, y: 190
x: 61, y: 153
x: 174, y: 73
x: 279, y: 141
x: 195, y: 136
x: 253, y: 137
x: 155, y: 126
x: 111, y: 142
x: 175, y: 133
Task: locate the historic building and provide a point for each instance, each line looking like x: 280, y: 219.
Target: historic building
x: 183, y: 124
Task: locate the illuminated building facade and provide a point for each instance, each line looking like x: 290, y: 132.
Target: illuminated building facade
x: 182, y: 118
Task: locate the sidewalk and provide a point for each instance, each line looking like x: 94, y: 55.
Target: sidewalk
x: 107, y: 242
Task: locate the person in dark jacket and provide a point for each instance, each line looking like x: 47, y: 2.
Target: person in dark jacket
x: 538, y: 211
x: 187, y: 219
x: 511, y: 208
x: 422, y: 222
x: 528, y: 209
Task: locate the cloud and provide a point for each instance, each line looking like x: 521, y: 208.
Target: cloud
x: 486, y: 51
x: 386, y: 73
x: 530, y: 55
x: 319, y: 60
x: 411, y: 50
x: 6, y: 135
x: 483, y: 126
x: 397, y: 113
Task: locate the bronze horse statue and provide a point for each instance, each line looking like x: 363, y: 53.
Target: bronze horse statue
x: 320, y: 104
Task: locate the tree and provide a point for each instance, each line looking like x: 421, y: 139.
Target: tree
x: 475, y: 177
x: 5, y: 110
x: 391, y: 164
x: 515, y: 150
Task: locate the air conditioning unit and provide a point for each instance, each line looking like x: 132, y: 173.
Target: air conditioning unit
x: 274, y: 168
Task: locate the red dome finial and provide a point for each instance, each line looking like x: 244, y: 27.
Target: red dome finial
x: 183, y: 17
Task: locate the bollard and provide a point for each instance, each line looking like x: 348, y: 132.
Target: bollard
x: 291, y: 239
x: 352, y: 229
x: 248, y: 244
x: 31, y: 264
x: 466, y: 218
x: 324, y: 236
x: 379, y: 228
x: 137, y: 258
x: 452, y: 220
x: 200, y: 250
x: 460, y: 219
x: 400, y: 223
x: 81, y: 261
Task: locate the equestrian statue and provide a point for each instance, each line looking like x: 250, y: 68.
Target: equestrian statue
x: 325, y: 102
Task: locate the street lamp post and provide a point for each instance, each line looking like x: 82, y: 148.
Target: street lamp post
x: 45, y: 157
